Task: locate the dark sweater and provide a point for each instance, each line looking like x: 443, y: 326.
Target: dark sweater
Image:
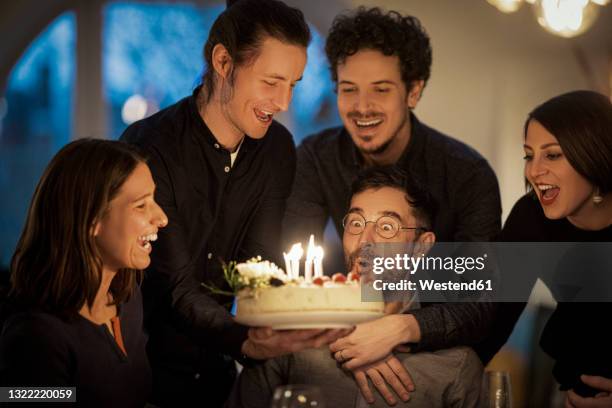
x: 577, y: 335
x: 217, y: 213
x: 459, y: 179
x: 42, y: 349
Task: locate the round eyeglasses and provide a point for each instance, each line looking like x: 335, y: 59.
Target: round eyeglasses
x: 386, y: 226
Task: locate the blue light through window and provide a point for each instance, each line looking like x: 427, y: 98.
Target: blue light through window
x: 313, y: 107
x: 154, y: 51
x: 36, y: 123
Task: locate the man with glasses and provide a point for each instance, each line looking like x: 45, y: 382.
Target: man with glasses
x: 387, y: 226
x: 386, y: 207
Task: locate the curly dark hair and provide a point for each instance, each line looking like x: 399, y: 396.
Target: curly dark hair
x: 390, y: 33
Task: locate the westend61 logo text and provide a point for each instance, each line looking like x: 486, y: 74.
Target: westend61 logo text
x: 405, y: 262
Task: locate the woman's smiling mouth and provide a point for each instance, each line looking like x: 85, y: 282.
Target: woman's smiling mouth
x: 548, y: 193
x: 144, y: 241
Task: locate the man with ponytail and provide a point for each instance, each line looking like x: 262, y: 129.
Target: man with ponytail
x: 223, y: 169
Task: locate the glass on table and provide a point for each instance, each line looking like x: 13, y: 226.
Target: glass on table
x: 496, y: 390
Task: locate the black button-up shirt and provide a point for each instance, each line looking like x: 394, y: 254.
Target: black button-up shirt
x: 217, y: 212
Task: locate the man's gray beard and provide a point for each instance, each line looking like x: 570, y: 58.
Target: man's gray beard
x: 362, y: 252
x: 367, y: 251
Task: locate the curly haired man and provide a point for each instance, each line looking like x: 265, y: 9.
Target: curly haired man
x: 381, y: 62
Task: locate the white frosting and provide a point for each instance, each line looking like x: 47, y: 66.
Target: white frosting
x: 300, y: 298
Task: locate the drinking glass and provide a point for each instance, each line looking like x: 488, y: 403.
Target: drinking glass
x: 297, y: 396
x: 496, y: 391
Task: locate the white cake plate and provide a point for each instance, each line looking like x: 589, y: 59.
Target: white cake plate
x: 308, y: 320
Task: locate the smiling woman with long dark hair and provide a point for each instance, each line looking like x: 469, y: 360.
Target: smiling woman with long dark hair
x: 76, y: 306
x: 568, y: 171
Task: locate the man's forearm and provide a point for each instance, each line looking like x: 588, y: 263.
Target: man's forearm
x: 448, y: 325
x: 407, y: 329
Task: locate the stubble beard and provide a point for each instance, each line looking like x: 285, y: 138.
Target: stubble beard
x: 378, y: 150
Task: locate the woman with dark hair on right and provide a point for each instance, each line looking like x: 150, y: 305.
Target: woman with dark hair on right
x: 75, y: 316
x: 568, y: 169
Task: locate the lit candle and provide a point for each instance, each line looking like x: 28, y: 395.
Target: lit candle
x: 318, y: 262
x: 295, y: 255
x: 310, y: 254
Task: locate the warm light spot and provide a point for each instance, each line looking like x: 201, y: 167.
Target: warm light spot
x: 134, y: 108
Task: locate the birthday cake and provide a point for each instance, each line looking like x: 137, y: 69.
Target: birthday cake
x: 268, y: 290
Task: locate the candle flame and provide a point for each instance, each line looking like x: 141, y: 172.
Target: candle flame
x: 314, y: 255
x: 319, y: 253
x: 310, y: 253
x: 296, y: 252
